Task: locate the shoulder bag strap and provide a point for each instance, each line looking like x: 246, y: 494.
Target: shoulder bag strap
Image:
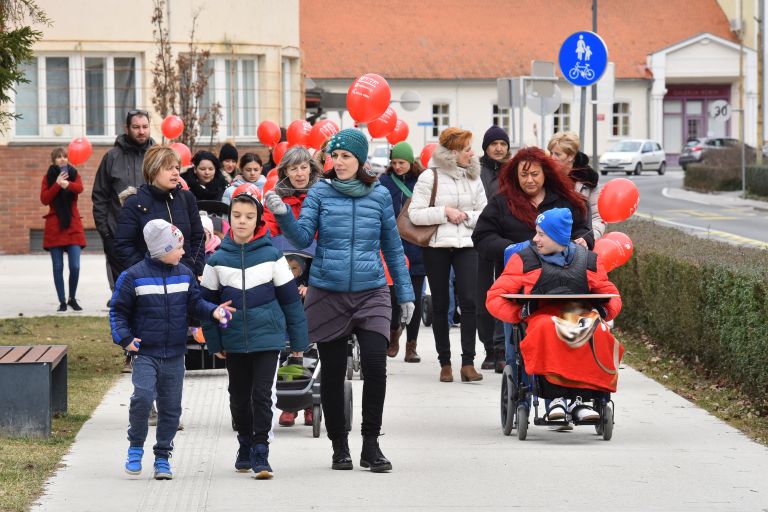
x: 434, y: 189
x: 401, y: 186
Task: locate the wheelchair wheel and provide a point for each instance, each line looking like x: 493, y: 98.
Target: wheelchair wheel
x: 606, y: 422
x: 317, y: 419
x: 426, y: 310
x: 522, y: 422
x: 348, y: 406
x: 508, y: 393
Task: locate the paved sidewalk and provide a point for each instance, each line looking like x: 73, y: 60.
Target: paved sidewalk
x: 448, y: 452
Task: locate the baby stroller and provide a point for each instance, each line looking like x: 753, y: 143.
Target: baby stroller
x: 298, y: 387
x: 519, y: 390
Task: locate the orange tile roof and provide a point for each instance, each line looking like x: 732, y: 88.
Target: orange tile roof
x: 457, y: 39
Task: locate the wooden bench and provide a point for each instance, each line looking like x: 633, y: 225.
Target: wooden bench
x: 33, y: 386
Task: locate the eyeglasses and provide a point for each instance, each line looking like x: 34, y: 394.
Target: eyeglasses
x: 138, y: 112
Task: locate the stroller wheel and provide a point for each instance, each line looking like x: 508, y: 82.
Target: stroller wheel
x: 507, y: 401
x: 348, y: 406
x: 606, y: 422
x: 317, y: 419
x: 522, y: 422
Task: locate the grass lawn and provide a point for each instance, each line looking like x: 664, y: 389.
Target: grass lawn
x: 693, y: 382
x: 94, y: 363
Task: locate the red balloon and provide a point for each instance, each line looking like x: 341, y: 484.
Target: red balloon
x: 270, y: 183
x: 321, y: 132
x: 298, y: 133
x: 183, y: 183
x: 368, y: 97
x: 185, y: 155
x: 384, y: 124
x: 624, y: 241
x: 426, y: 154
x: 399, y: 134
x: 279, y: 151
x: 172, y: 127
x: 79, y: 151
x: 613, y: 253
x: 272, y: 172
x: 618, y: 200
x: 268, y: 133
x: 328, y: 163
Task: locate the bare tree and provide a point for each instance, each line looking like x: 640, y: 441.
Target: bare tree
x: 180, y: 89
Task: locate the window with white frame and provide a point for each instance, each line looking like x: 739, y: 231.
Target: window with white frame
x: 233, y: 83
x: 561, y: 119
x: 620, y: 120
x: 441, y: 118
x: 288, y: 92
x: 501, y: 118
x: 69, y: 95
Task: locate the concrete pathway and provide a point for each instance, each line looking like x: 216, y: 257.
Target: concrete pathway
x: 448, y: 452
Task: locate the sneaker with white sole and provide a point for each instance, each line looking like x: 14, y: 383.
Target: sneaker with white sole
x: 162, y: 469
x: 556, y: 411
x: 133, y: 462
x: 579, y: 411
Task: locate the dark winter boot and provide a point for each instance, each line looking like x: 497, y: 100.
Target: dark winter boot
x: 243, y: 460
x: 410, y: 352
x: 394, y: 341
x: 371, y: 456
x: 341, y: 458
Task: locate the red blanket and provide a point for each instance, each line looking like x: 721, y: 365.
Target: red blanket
x: 571, y: 350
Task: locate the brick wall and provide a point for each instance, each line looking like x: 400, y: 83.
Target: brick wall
x: 22, y: 168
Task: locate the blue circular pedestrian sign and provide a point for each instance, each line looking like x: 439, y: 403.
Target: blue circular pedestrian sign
x: 583, y: 58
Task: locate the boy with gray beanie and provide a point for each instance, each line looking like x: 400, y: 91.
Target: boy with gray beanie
x: 148, y: 318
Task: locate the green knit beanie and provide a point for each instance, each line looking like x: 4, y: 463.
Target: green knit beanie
x: 403, y: 151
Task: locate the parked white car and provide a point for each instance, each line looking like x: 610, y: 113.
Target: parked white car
x: 633, y: 156
x: 379, y: 159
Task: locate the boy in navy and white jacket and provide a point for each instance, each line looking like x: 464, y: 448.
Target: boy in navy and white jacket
x: 248, y: 270
x: 148, y: 319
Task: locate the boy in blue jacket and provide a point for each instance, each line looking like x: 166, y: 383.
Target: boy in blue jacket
x: 254, y: 275
x: 148, y: 319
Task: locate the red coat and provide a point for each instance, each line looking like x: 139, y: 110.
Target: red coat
x: 512, y: 280
x: 294, y: 202
x: 543, y: 351
x: 53, y: 236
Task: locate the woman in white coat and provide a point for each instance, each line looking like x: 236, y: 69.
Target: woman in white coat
x: 459, y: 200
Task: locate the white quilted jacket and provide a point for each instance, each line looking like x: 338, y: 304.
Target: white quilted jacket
x: 456, y: 187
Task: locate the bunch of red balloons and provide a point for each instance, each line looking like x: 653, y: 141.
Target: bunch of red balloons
x: 172, y: 127
x: 618, y: 201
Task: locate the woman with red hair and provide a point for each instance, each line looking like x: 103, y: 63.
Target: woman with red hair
x: 530, y: 183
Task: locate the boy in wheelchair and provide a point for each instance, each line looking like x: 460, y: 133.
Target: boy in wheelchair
x: 566, y: 341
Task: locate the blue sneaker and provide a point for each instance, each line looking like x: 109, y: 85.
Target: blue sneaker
x: 133, y: 463
x: 260, y: 461
x: 163, y: 469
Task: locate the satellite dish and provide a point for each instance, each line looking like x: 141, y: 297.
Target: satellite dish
x: 410, y: 100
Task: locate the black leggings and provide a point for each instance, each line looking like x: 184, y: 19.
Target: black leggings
x: 252, y: 399
x: 333, y: 372
x: 438, y: 262
x: 413, y: 327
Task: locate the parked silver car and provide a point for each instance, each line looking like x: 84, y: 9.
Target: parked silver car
x: 633, y: 156
x: 379, y: 159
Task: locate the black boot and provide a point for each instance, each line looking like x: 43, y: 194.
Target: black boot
x: 371, y: 456
x: 341, y: 458
x: 243, y: 460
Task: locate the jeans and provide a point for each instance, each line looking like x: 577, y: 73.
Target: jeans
x: 451, y: 299
x: 373, y: 359
x: 73, y: 257
x: 439, y: 262
x: 412, y: 330
x: 156, y: 379
x: 252, y: 393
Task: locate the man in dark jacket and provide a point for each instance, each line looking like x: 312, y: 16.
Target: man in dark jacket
x: 119, y: 169
x: 490, y: 330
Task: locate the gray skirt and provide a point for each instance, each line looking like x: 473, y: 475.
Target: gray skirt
x: 334, y: 315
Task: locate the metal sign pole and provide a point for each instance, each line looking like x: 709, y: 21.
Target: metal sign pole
x: 583, y: 112
x: 594, y: 97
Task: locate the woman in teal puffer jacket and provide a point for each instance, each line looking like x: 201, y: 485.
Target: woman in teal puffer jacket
x: 348, y: 293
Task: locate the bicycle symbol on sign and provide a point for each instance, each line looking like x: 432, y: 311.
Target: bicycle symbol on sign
x: 584, y: 71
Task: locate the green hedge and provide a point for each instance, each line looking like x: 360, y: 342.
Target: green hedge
x: 701, y: 299
x: 757, y: 180
x: 706, y: 178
